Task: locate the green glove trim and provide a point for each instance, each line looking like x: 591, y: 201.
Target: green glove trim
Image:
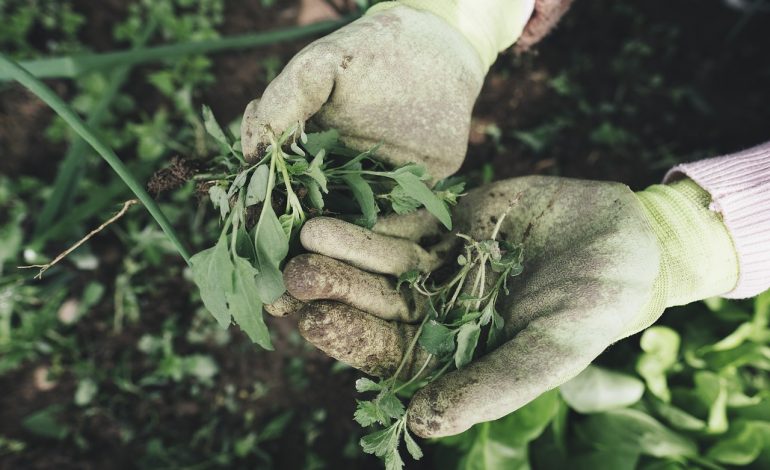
x: 698, y: 257
x: 491, y: 26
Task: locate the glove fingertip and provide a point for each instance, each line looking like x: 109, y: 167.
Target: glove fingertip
x: 429, y: 413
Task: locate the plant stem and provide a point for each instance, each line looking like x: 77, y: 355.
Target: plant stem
x: 50, y: 98
x: 410, y: 348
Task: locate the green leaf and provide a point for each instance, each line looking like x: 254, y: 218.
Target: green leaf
x: 401, y: 202
x: 632, y: 431
x: 246, y: 306
x: 390, y: 405
x: 272, y: 245
x: 299, y: 167
x: 437, y: 339
x: 677, y: 417
x: 597, y: 389
x: 213, y: 128
x: 46, y: 423
x: 411, y: 446
x: 318, y: 141
x: 415, y: 188
x: 368, y: 412
x: 219, y: 199
x: 661, y: 348
x: 381, y: 442
x: 256, y: 192
x: 367, y: 385
x: 212, y: 272
x: 314, y: 194
x: 467, y: 338
x: 742, y: 445
x: 364, y: 196
x: 409, y: 278
x: 315, y: 171
x: 238, y: 182
x: 712, y: 391
x: 393, y: 460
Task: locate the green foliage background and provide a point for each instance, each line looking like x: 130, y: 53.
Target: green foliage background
x: 111, y: 361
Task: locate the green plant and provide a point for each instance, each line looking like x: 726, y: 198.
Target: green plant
x: 255, y: 240
x: 455, y: 312
x: 693, y: 401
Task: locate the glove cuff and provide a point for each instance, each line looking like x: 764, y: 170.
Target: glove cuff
x: 698, y: 257
x: 490, y: 26
x: 739, y: 185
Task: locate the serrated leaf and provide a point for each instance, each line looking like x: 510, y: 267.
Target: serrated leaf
x: 467, y: 339
x: 245, y: 304
x: 380, y: 442
x: 411, y: 445
x: 393, y: 460
x: 367, y: 385
x: 297, y: 168
x: 415, y: 188
x: 364, y: 196
x: 390, y: 405
x: 368, y: 413
x: 256, y: 191
x: 212, y: 272
x: 401, y: 202
x: 437, y: 339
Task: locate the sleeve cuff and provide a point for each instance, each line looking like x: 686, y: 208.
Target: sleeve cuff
x: 739, y: 185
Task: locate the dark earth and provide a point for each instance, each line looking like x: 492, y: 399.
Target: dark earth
x: 620, y: 91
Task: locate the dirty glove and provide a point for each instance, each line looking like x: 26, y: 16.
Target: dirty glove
x: 404, y: 77
x: 600, y: 263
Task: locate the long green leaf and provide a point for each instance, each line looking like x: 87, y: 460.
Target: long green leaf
x: 71, y: 167
x: 43, y: 92
x: 70, y: 67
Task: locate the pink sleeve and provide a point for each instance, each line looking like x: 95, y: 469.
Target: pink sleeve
x: 739, y: 185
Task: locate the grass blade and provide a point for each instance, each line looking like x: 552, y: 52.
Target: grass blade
x: 70, y: 67
x: 71, y: 167
x: 13, y: 70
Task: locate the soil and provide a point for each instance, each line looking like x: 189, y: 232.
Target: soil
x: 715, y: 58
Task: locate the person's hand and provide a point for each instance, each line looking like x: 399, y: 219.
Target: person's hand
x: 401, y: 78
x: 405, y: 76
x: 600, y: 263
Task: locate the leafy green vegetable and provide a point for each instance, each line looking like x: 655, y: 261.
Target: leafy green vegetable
x: 634, y: 431
x: 597, y: 389
x: 450, y: 331
x: 661, y: 347
x: 249, y: 197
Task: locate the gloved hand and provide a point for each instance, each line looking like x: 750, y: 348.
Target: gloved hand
x: 405, y: 77
x: 600, y: 263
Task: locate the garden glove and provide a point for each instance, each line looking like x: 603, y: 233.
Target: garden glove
x: 404, y: 76
x: 600, y: 263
